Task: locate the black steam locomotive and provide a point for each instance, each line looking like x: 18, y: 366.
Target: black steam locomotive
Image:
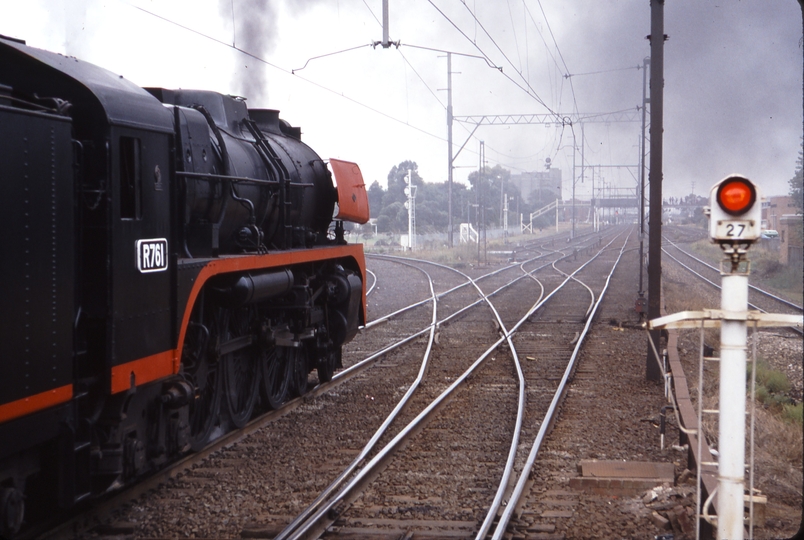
x: 172, y: 260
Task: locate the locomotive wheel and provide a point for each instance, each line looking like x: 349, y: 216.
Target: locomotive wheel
x: 240, y: 366
x: 12, y: 510
x: 201, y: 370
x: 276, y: 375
x: 299, y: 370
x: 326, y: 366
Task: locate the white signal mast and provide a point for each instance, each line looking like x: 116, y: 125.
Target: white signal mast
x: 410, y: 204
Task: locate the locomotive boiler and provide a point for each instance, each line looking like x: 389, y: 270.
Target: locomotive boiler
x: 173, y: 261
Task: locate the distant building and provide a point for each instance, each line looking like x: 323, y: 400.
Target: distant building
x: 790, y: 249
x: 546, y: 183
x: 773, y: 208
x: 780, y: 214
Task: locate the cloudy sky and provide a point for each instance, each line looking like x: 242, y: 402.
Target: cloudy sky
x: 733, y: 76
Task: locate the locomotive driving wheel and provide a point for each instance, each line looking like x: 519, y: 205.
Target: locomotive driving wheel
x: 200, y: 367
x: 299, y: 369
x: 327, y: 364
x: 240, y: 362
x: 276, y: 375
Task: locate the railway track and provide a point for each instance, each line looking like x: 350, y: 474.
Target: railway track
x: 329, y: 443
x: 758, y: 299
x: 414, y: 468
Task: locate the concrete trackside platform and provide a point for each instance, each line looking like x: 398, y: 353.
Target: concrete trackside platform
x: 622, y: 478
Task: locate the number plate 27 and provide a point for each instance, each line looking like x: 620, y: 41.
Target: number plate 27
x: 734, y: 229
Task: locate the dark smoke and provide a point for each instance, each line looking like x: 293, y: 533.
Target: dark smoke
x: 255, y: 32
x: 256, y: 29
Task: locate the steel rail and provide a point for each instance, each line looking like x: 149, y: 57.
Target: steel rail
x: 367, y: 362
x: 373, y: 283
x: 591, y: 292
x: 369, y: 446
x: 519, y: 489
x: 509, y: 465
x: 718, y: 287
x: 297, y: 523
x: 385, y: 318
x: 752, y: 287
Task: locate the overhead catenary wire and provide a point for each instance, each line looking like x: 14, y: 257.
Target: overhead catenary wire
x: 516, y: 41
x: 432, y: 92
x: 519, y: 72
x: 569, y: 75
x: 478, y: 22
x: 534, y: 95
x: 439, y: 100
x: 526, y: 90
x: 429, y: 89
x: 546, y: 48
x: 558, y: 49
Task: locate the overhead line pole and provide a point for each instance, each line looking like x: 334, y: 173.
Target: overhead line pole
x: 652, y: 371
x: 583, y: 162
x: 574, y: 179
x: 645, y: 101
x: 449, y: 148
x: 385, y: 39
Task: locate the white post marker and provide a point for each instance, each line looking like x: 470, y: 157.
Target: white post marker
x: 735, y: 216
x: 731, y: 433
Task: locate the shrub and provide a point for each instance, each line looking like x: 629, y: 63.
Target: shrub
x: 771, y: 387
x: 761, y: 394
x: 776, y: 382
x: 794, y: 413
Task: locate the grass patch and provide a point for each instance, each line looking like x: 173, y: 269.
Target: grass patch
x: 772, y: 387
x: 707, y: 251
x: 775, y: 381
x: 794, y: 413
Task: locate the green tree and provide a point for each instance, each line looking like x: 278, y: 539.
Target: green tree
x: 432, y: 201
x: 492, y: 185
x: 388, y: 220
x: 375, y: 195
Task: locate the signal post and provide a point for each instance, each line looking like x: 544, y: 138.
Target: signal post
x: 735, y: 218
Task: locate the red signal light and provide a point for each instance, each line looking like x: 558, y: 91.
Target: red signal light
x: 736, y: 195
